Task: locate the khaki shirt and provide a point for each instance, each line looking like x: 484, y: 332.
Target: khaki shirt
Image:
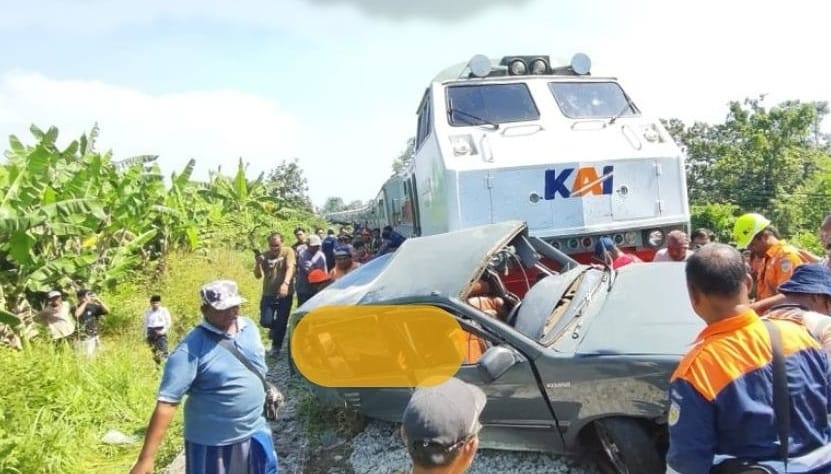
x: 274, y: 267
x: 58, y: 320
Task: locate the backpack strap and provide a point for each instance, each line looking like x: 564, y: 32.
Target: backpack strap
x: 781, y: 400
x: 230, y: 347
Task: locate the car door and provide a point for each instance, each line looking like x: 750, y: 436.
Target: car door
x: 517, y: 415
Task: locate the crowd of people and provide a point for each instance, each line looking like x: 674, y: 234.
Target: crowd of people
x: 310, y: 264
x: 768, y: 258
x: 765, y: 346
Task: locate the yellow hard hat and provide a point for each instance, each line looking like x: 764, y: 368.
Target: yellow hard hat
x: 746, y: 227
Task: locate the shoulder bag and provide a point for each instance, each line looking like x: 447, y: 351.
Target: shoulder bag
x: 273, y: 397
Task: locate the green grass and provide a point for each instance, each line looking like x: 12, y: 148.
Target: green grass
x: 320, y: 418
x: 55, y: 404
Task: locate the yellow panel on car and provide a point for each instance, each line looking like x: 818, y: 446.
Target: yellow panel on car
x: 378, y: 346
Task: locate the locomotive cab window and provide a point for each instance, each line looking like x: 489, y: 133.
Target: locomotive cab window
x: 484, y: 104
x: 591, y: 100
x: 425, y: 121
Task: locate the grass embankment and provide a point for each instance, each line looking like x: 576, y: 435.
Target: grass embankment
x: 57, y: 404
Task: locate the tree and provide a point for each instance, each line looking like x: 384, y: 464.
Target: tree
x: 759, y: 159
x: 287, y: 183
x: 333, y: 204
x: 403, y: 160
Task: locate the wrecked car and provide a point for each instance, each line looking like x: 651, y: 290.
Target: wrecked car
x: 575, y: 359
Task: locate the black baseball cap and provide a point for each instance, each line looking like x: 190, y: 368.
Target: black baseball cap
x: 439, y: 418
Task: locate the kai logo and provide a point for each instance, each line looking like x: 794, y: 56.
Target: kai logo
x: 578, y: 182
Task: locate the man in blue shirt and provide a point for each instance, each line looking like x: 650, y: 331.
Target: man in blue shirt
x: 225, y: 430
x: 391, y: 240
x: 328, y: 248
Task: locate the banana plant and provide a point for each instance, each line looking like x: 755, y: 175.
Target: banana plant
x: 74, y: 217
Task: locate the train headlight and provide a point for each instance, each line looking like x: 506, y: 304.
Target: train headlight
x: 655, y: 238
x: 462, y: 145
x: 539, y: 66
x: 517, y: 67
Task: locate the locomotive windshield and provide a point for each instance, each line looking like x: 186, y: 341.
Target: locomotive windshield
x: 584, y: 100
x: 489, y: 104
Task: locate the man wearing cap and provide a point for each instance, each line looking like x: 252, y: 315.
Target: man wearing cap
x: 606, y: 251
x: 775, y: 259
x: 440, y: 427
x: 677, y: 249
x: 57, y: 317
x: 343, y: 264
x: 807, y: 300
x: 310, y: 258
x: 225, y: 430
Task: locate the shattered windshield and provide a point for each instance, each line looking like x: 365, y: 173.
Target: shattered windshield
x: 482, y: 104
x: 572, y: 305
x: 581, y: 100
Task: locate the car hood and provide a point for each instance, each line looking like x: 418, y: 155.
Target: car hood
x: 439, y: 265
x: 647, y: 312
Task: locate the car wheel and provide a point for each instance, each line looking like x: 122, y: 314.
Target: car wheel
x: 626, y: 447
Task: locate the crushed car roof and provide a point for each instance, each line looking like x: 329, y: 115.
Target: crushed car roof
x: 443, y: 264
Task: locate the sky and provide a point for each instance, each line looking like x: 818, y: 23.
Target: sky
x: 336, y: 83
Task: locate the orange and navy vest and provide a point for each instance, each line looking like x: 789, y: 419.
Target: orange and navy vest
x: 721, y: 395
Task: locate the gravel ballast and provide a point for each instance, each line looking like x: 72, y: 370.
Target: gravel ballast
x: 377, y: 449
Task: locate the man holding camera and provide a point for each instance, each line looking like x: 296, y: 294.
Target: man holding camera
x: 89, y: 311
x: 276, y: 266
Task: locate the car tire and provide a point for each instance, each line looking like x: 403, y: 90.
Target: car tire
x: 626, y: 447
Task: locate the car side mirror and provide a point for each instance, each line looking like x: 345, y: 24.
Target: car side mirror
x: 495, y: 362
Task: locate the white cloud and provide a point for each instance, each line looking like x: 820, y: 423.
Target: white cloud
x: 97, y: 17
x: 689, y: 62
x: 214, y: 127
